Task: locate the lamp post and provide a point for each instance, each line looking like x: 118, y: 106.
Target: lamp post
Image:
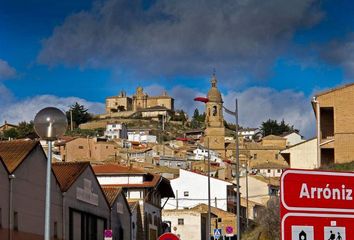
x: 49, y: 124
x: 235, y: 114
x: 205, y: 100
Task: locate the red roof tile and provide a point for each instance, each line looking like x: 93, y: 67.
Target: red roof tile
x: 111, y: 193
x: 13, y: 153
x: 67, y: 172
x: 115, y: 169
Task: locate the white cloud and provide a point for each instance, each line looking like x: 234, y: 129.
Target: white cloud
x: 260, y: 104
x: 236, y: 37
x: 6, y: 71
x: 256, y: 105
x: 25, y: 110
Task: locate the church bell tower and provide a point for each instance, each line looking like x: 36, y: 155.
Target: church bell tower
x: 214, y: 120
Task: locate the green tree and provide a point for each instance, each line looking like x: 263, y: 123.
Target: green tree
x: 197, y: 119
x: 273, y: 127
x: 195, y: 114
x: 179, y: 115
x: 10, y: 133
x: 80, y: 114
x: 26, y: 129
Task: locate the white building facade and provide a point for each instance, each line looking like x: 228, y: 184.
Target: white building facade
x: 191, y: 189
x: 116, y: 131
x: 141, y: 137
x: 248, y: 133
x: 293, y: 138
x: 202, y: 154
x: 302, y: 155
x: 186, y: 223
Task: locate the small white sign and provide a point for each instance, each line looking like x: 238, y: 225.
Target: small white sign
x: 334, y: 233
x: 302, y: 233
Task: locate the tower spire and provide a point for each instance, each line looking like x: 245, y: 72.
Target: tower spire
x: 213, y: 79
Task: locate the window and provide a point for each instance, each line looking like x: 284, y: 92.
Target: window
x: 81, y: 147
x: 268, y: 171
x: 180, y: 221
x: 278, y: 171
x: 55, y: 230
x: 150, y: 218
x: 15, y: 221
x: 255, y: 156
x: 276, y: 156
x: 186, y: 193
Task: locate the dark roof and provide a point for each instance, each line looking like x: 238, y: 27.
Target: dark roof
x: 13, y: 153
x: 66, y: 173
x: 165, y: 188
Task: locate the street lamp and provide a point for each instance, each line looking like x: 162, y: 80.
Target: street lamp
x: 235, y: 114
x: 205, y: 100
x: 49, y: 124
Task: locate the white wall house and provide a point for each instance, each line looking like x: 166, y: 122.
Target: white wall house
x: 302, y: 155
x: 270, y: 172
x: 116, y: 131
x: 186, y: 223
x: 191, y: 189
x: 141, y: 137
x: 248, y: 132
x: 258, y: 192
x: 202, y: 154
x: 293, y: 138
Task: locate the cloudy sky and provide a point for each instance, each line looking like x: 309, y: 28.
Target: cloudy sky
x: 272, y: 55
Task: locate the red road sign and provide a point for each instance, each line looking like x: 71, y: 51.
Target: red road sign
x: 229, y: 230
x: 303, y: 190
x: 317, y: 226
x: 168, y: 236
x: 317, y: 205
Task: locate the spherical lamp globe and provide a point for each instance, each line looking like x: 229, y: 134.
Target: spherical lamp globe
x: 50, y: 123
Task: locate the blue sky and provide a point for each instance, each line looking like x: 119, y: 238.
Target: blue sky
x: 272, y: 55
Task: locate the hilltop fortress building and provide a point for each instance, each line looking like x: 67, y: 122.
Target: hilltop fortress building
x: 138, y: 101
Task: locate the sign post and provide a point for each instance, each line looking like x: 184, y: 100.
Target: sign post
x: 317, y: 205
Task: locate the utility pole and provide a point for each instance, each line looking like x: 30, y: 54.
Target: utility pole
x: 209, y: 200
x: 235, y: 114
x: 71, y: 120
